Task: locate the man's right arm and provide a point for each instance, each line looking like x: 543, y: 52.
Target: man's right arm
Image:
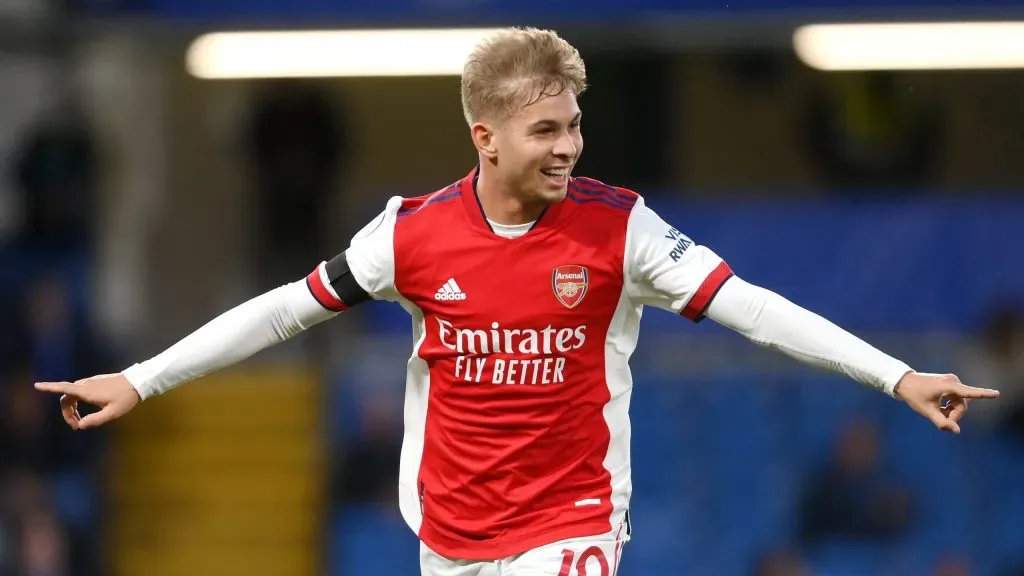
x: 235, y: 335
x: 364, y: 271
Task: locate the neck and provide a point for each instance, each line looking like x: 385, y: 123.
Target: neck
x: 500, y: 202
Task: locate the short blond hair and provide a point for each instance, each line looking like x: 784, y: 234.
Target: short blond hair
x: 516, y: 67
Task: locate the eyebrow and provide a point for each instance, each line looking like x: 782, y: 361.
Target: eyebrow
x: 548, y: 121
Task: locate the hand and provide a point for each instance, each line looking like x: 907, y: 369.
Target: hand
x: 112, y: 393
x: 941, y: 398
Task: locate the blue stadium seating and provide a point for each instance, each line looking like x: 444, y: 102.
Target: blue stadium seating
x: 717, y: 471
x: 371, y: 540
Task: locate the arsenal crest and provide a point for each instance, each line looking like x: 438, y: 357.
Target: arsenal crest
x: 570, y: 284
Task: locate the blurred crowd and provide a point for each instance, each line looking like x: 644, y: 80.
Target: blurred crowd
x: 51, y: 504
x: 51, y: 510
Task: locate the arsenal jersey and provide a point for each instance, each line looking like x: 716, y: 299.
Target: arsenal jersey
x: 517, y: 389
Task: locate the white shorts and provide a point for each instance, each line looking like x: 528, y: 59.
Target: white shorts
x: 587, y: 556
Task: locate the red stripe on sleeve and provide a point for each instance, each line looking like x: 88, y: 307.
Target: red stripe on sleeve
x: 322, y: 294
x: 694, y: 309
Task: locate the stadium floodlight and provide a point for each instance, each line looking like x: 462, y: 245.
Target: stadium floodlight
x: 327, y: 53
x: 911, y: 46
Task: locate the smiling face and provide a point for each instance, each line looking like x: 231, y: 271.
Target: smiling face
x: 533, y: 151
x: 519, y: 90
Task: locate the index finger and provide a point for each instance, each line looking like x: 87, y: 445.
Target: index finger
x: 972, y: 392
x: 56, y: 387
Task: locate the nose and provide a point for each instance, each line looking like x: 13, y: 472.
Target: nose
x: 565, y: 147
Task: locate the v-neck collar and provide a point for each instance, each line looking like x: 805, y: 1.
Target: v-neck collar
x: 547, y: 219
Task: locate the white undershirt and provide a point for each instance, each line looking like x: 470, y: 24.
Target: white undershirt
x: 510, y: 230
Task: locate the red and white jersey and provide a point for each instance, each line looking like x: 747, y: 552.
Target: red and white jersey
x: 518, y: 387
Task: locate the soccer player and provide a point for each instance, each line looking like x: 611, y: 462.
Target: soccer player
x: 525, y: 287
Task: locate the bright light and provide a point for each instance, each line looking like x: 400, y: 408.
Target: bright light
x: 917, y: 46
x: 324, y: 53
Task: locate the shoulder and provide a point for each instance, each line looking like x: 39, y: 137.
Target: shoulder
x: 428, y: 203
x: 596, y: 195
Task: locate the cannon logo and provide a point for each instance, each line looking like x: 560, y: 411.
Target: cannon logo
x: 570, y: 284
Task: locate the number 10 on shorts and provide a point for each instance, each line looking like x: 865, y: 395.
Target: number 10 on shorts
x: 568, y: 558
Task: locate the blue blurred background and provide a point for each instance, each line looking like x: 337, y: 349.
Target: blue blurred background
x: 138, y: 201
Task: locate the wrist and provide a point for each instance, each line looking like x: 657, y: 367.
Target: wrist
x: 896, y: 387
x: 136, y: 376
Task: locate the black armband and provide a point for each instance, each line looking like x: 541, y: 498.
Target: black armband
x: 344, y: 283
x: 339, y: 277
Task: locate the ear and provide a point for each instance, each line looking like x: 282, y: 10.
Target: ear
x: 484, y: 139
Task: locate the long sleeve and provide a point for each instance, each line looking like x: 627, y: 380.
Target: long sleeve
x: 666, y: 269
x: 365, y: 270
x: 770, y: 320
x: 232, y: 337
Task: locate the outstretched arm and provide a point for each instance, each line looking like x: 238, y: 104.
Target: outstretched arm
x: 364, y: 271
x: 226, y: 340
x: 668, y: 270
x: 233, y: 336
x: 770, y: 320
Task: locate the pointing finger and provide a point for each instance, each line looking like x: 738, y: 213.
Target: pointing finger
x: 971, y: 392
x: 56, y: 387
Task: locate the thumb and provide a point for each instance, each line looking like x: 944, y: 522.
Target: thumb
x: 98, y: 418
x: 942, y: 422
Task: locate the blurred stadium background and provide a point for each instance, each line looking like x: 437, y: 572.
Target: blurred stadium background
x: 138, y: 200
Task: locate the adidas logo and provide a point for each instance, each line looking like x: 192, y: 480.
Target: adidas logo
x: 450, y: 291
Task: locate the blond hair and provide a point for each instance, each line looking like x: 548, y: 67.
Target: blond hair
x: 516, y: 67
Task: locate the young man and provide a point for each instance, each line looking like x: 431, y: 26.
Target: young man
x: 525, y: 286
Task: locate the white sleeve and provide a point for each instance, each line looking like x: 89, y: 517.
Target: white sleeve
x: 366, y: 269
x: 665, y: 269
x: 371, y: 255
x: 230, y: 338
x: 770, y: 320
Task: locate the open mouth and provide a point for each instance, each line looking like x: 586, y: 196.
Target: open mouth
x: 557, y: 176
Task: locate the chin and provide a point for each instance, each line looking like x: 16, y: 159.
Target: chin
x: 553, y: 195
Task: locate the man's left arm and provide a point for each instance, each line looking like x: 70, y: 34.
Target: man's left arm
x: 770, y: 320
x: 689, y: 279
